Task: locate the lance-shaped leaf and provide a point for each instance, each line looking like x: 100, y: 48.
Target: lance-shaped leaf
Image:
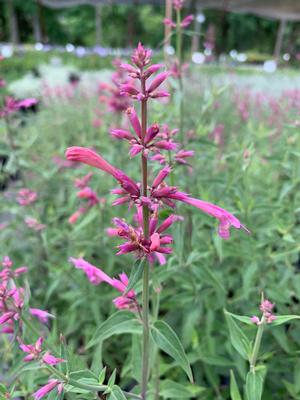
x: 282, y: 319
x: 135, y: 275
x: 238, y: 339
x: 254, y: 383
x: 119, y: 323
x: 116, y: 394
x: 234, y: 389
x: 167, y: 340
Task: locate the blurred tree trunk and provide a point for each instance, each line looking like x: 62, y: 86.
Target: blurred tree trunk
x: 37, y: 32
x: 197, y: 30
x: 13, y: 23
x: 279, y: 39
x: 131, y: 23
x: 98, y: 24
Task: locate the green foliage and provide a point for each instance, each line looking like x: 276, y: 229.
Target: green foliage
x: 254, y: 174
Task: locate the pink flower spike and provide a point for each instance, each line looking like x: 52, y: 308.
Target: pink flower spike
x: 95, y: 275
x: 90, y: 157
x: 77, y: 214
x: 41, y: 315
x: 187, y: 21
x: 161, y: 176
x: 51, y: 360
x: 134, y: 120
x: 157, y: 81
x: 43, y: 391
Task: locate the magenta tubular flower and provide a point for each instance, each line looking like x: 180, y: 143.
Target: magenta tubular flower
x: 90, y: 157
x: 44, y: 390
x: 121, y: 134
x: 181, y: 155
x: 42, y: 315
x: 51, y: 360
x: 7, y: 316
x: 27, y: 103
x: 157, y: 81
x: 96, y: 276
x: 187, y: 21
x: 76, y: 215
x: 26, y: 197
x: 161, y: 176
x: 135, y: 122
x: 178, y: 4
x: 226, y: 219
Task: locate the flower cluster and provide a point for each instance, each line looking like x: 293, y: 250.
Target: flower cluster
x: 178, y: 4
x: 12, y: 298
x: 266, y: 307
x: 26, y: 197
x: 11, y: 105
x: 87, y: 194
x: 34, y: 352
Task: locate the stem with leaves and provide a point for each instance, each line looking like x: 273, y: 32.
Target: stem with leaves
x: 145, y: 294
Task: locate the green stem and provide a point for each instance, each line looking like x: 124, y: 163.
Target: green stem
x: 145, y: 294
x: 257, y: 344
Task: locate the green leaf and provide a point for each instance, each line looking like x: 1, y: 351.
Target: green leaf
x: 282, y: 319
x: 119, y: 323
x: 102, y: 375
x: 173, y: 390
x: 116, y: 394
x: 234, y: 389
x: 242, y: 318
x: 112, y: 379
x: 167, y: 340
x: 136, y: 274
x: 238, y: 339
x: 254, y: 383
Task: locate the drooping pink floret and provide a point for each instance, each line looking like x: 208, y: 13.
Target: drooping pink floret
x: 51, y: 360
x: 42, y: 315
x: 81, y: 183
x: 34, y: 224
x: 26, y: 197
x: 44, y: 390
x: 6, y: 262
x: 96, y: 276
